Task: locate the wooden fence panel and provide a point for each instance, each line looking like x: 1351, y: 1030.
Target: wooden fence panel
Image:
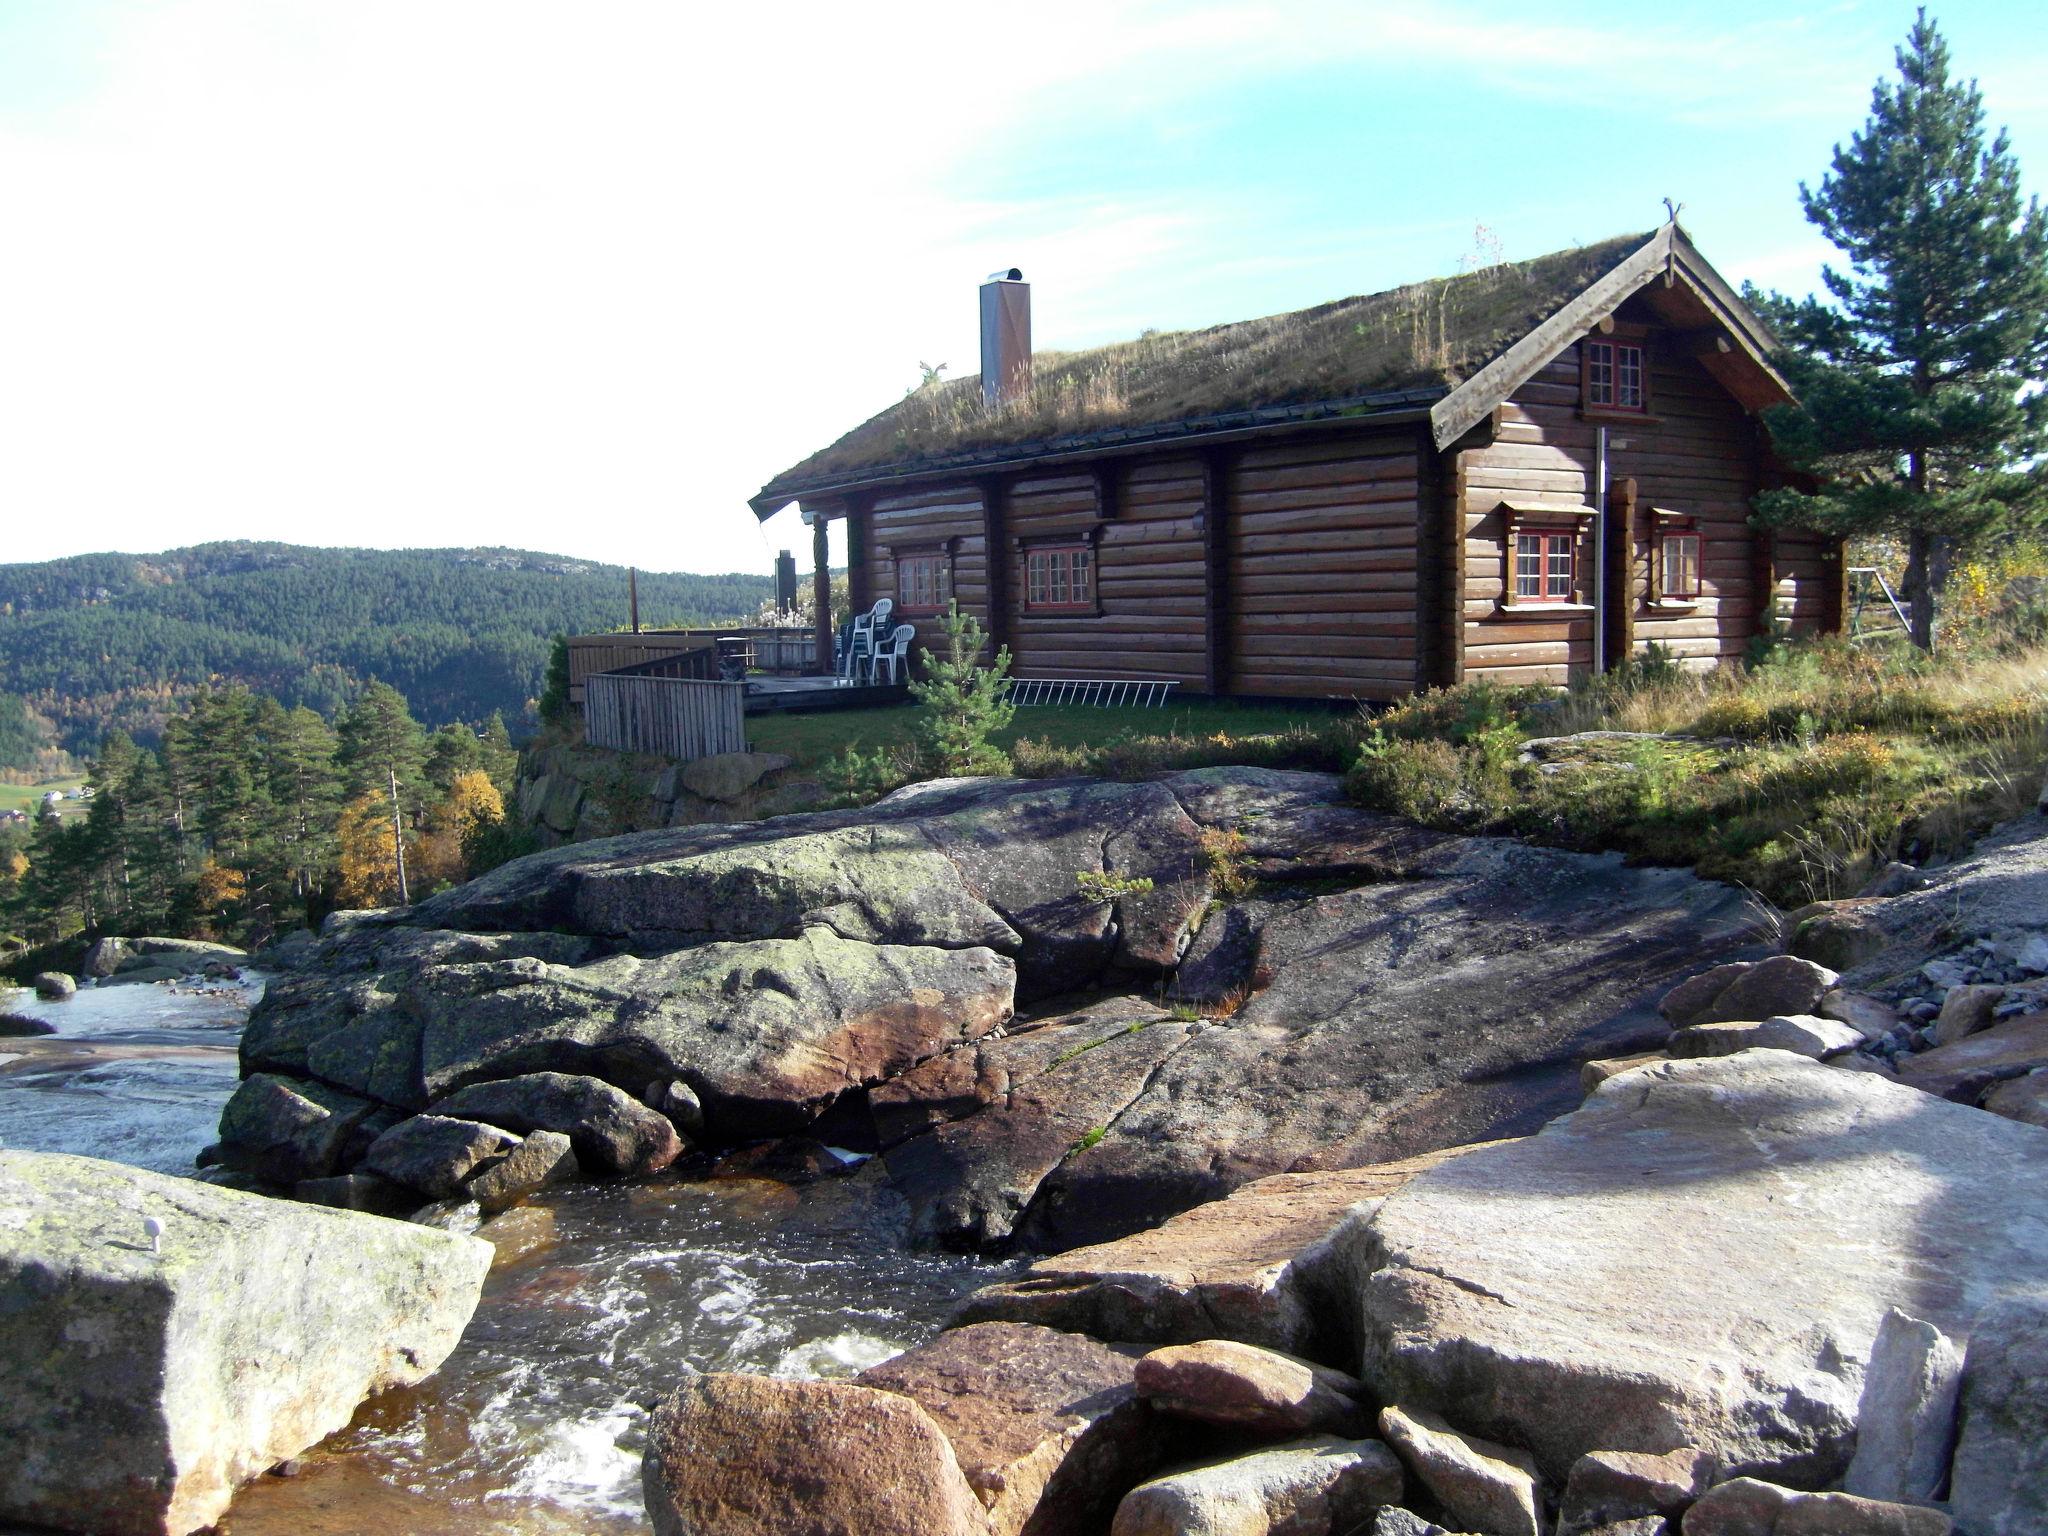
x: 672, y: 717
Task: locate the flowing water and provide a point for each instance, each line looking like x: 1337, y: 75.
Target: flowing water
x: 601, y: 1296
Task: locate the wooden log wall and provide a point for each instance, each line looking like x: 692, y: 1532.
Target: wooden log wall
x: 1323, y: 567
x: 929, y: 520
x: 670, y: 717
x: 1148, y: 572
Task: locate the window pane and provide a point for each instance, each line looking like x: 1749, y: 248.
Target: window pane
x: 1628, y: 389
x: 1528, y: 565
x: 1599, y: 373
x: 1560, y: 563
x: 1681, y: 565
x: 1084, y: 576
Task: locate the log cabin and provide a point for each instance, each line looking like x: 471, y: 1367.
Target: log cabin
x: 1529, y: 472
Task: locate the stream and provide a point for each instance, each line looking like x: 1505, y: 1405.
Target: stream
x: 601, y: 1296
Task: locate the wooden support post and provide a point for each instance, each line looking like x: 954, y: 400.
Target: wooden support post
x: 633, y: 596
x: 1216, y: 573
x: 1618, y: 584
x: 821, y: 587
x: 860, y: 595
x: 1440, y: 565
x: 995, y: 543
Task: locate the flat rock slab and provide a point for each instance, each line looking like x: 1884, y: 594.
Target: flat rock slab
x: 1802, y: 1034
x: 1665, y: 1265
x: 731, y: 1455
x: 143, y: 1380
x: 1746, y: 1506
x: 1320, y: 1487
x: 1250, y: 1267
x: 1964, y: 1070
x: 2000, y: 892
x: 1047, y: 1426
x: 1260, y: 1391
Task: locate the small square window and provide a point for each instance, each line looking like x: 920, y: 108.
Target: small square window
x: 1543, y: 564
x: 1680, y: 565
x: 1060, y: 577
x: 923, y: 583
x: 1615, y: 376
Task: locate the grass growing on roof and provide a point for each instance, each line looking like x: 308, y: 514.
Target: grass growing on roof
x: 1428, y: 335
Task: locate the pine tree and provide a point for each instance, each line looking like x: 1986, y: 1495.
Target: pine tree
x: 1913, y: 411
x: 963, y: 703
x: 501, y: 758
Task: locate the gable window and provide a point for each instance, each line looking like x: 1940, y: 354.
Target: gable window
x: 924, y: 583
x: 1060, y: 576
x: 1616, y: 377
x: 1544, y: 564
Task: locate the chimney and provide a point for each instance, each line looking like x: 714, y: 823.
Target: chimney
x: 1005, y: 337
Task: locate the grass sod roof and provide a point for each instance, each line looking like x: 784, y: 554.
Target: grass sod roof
x: 1408, y: 345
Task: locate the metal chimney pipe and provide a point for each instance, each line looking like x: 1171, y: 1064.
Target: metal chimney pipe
x: 1005, y: 337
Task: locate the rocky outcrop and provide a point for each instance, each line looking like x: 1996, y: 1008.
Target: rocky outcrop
x: 162, y: 1341
x: 1661, y: 1267
x: 853, y: 975
x: 572, y: 793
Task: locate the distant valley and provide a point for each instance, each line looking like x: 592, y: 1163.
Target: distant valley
x: 100, y: 641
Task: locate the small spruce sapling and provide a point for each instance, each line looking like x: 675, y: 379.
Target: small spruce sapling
x: 962, y: 703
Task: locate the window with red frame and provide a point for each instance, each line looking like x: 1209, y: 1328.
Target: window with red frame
x: 1680, y: 556
x: 1060, y: 578
x: 924, y: 583
x: 1616, y: 378
x: 1543, y: 564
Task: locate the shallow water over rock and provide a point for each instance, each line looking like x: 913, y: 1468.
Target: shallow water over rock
x: 601, y: 1297
x: 133, y: 1073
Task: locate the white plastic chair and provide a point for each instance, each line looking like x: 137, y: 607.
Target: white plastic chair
x: 896, y: 649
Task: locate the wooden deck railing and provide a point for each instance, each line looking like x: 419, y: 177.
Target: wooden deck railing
x: 682, y: 718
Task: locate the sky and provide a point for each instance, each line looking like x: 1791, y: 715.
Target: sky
x: 581, y: 277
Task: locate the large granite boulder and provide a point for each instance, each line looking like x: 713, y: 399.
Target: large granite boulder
x: 1999, y: 1478
x: 731, y: 1455
x: 146, y: 1372
x: 611, y: 1131
x: 1319, y: 1487
x: 1047, y: 1426
x: 282, y: 1130
x: 1703, y: 1255
x: 435, y: 1154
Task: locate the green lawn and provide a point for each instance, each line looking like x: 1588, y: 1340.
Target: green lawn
x: 25, y: 797
x: 813, y: 738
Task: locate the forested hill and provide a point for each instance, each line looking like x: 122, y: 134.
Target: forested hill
x: 100, y: 640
